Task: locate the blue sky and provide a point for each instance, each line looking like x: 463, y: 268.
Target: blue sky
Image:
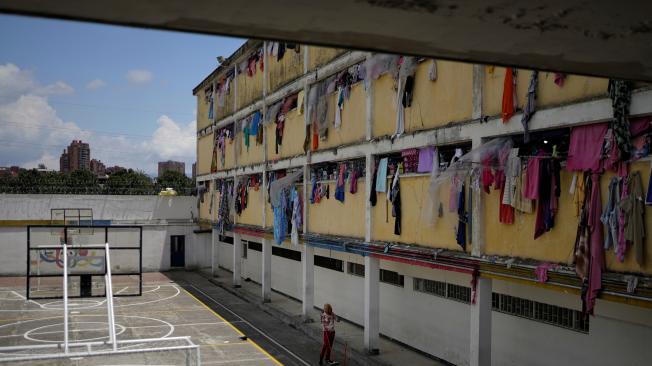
x: 127, y: 91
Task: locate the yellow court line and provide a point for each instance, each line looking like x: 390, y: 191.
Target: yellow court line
x: 235, y: 329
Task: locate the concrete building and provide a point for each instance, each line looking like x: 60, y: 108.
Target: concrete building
x: 97, y: 167
x: 77, y: 156
x: 112, y: 169
x: 476, y: 305
x: 175, y: 166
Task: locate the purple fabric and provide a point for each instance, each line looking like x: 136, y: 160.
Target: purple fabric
x: 597, y: 245
x: 585, y: 150
x: 426, y: 155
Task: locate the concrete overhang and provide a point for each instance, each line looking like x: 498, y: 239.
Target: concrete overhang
x: 595, y: 37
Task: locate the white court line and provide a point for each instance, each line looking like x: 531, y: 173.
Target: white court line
x: 19, y: 295
x: 124, y: 288
x: 176, y: 325
x: 226, y: 362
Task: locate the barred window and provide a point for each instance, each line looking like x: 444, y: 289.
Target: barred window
x: 330, y: 263
x: 429, y: 286
x: 355, y: 269
x: 541, y: 312
x: 458, y: 293
x: 286, y: 253
x: 391, y: 277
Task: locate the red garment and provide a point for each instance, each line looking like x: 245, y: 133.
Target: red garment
x: 487, y: 175
x: 506, y: 213
x: 532, y: 173
x: 585, y: 150
x: 327, y: 345
x: 315, y: 137
x: 596, y: 255
x: 508, y: 95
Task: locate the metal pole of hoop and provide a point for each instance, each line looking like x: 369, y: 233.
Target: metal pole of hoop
x: 65, y: 298
x: 108, y: 284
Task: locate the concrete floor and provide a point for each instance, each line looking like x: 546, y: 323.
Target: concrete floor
x: 165, y: 309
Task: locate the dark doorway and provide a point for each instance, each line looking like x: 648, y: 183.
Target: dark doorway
x: 177, y: 251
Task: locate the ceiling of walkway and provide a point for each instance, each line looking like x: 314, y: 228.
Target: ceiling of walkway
x: 595, y: 37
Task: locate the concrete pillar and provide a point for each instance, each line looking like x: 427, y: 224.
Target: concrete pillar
x: 368, y: 179
x: 237, y: 260
x: 480, y: 340
x: 267, y: 270
x: 477, y: 215
x: 308, y: 271
x: 215, y: 239
x: 371, y: 304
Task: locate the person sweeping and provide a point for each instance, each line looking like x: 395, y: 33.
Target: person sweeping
x: 328, y: 319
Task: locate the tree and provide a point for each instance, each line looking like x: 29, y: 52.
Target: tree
x: 171, y: 179
x: 129, y: 182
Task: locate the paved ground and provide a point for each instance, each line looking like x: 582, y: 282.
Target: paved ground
x: 165, y: 309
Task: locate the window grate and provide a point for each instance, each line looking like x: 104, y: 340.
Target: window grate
x: 355, y: 269
x: 392, y: 278
x: 258, y: 247
x: 436, y: 288
x: 286, y: 253
x: 330, y: 263
x: 541, y: 312
x: 458, y: 293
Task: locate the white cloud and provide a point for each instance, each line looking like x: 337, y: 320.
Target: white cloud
x: 139, y: 76
x: 95, y: 84
x: 31, y: 132
x: 15, y: 82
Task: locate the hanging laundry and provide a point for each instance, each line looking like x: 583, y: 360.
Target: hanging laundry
x: 453, y: 197
x: 381, y: 177
x: 425, y: 162
x: 245, y: 132
x: 578, y: 195
x: 609, y: 216
x: 519, y: 201
x: 372, y: 195
x: 341, y: 182
x: 410, y: 160
x: 560, y: 78
x: 406, y: 73
x: 338, y: 108
x: 585, y: 148
x: 211, y: 107
x: 621, y: 95
x: 395, y: 199
x: 596, y: 245
x: 300, y: 102
x: 297, y: 215
x: 432, y: 70
x: 648, y: 196
x: 487, y: 177
x: 313, y: 191
x: 223, y: 215
x: 542, y: 271
x: 512, y: 172
x: 530, y: 106
x: 255, y: 122
x: 632, y: 283
x: 280, y: 51
x: 509, y: 94
x: 216, y: 146
x: 462, y: 214
x: 548, y: 194
x: 506, y: 211
x: 280, y: 217
x: 634, y: 210
x: 354, y: 181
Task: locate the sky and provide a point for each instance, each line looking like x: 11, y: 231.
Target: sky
x: 125, y: 91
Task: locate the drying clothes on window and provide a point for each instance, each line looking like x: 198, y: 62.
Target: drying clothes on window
x: 512, y: 172
x: 621, y: 95
x: 288, y: 103
x: 245, y: 132
x: 241, y: 197
x: 596, y: 264
x: 280, y: 216
x: 425, y: 162
x: 395, y: 199
x: 648, y: 196
x: 313, y: 190
x: 255, y: 122
x: 609, y: 216
x: 317, y: 106
x: 548, y: 195
x: 578, y: 194
x: 211, y: 107
x: 519, y: 201
x: 406, y: 71
x: 341, y: 183
x: 487, y: 177
x: 506, y: 211
x: 373, y: 197
x: 611, y: 154
x: 223, y: 215
x: 216, y: 146
x: 453, y: 198
x: 509, y: 94
x: 410, y: 160
x: 585, y: 148
x: 460, y: 236
x: 633, y: 210
x: 381, y: 176
x: 297, y: 215
x: 338, y: 108
x: 432, y: 70
x: 560, y: 78
x: 272, y: 112
x: 353, y: 181
x: 300, y: 102
x: 377, y: 65
x: 542, y: 271
x: 280, y: 52
x: 530, y: 106
x: 532, y: 178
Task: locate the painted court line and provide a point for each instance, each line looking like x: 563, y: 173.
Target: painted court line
x: 233, y: 327
x: 234, y: 361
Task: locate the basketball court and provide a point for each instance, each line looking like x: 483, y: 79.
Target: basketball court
x: 155, y: 320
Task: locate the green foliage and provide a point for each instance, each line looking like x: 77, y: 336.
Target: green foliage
x: 126, y: 182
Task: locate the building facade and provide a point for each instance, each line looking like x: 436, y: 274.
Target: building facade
x: 444, y: 264
x: 175, y: 166
x: 97, y: 167
x: 76, y: 157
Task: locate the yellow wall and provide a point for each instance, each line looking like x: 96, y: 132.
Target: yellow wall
x: 204, y: 153
x: 436, y: 103
x: 331, y: 216
x: 250, y: 88
x: 384, y: 111
x: 227, y: 109
x: 253, y: 214
x: 255, y: 154
x: 353, y: 124
x: 557, y: 245
x: 287, y: 69
x: 575, y: 88
x: 322, y: 55
x: 294, y: 133
x: 202, y: 111
x: 416, y: 225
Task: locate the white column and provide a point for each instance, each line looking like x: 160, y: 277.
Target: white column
x: 477, y: 215
x: 237, y: 259
x: 215, y: 239
x: 267, y: 270
x: 371, y: 304
x: 308, y: 271
x: 368, y: 179
x: 480, y: 340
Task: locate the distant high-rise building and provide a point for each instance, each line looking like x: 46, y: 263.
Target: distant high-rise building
x: 114, y: 169
x: 76, y: 157
x: 194, y: 170
x: 97, y: 167
x: 176, y: 166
